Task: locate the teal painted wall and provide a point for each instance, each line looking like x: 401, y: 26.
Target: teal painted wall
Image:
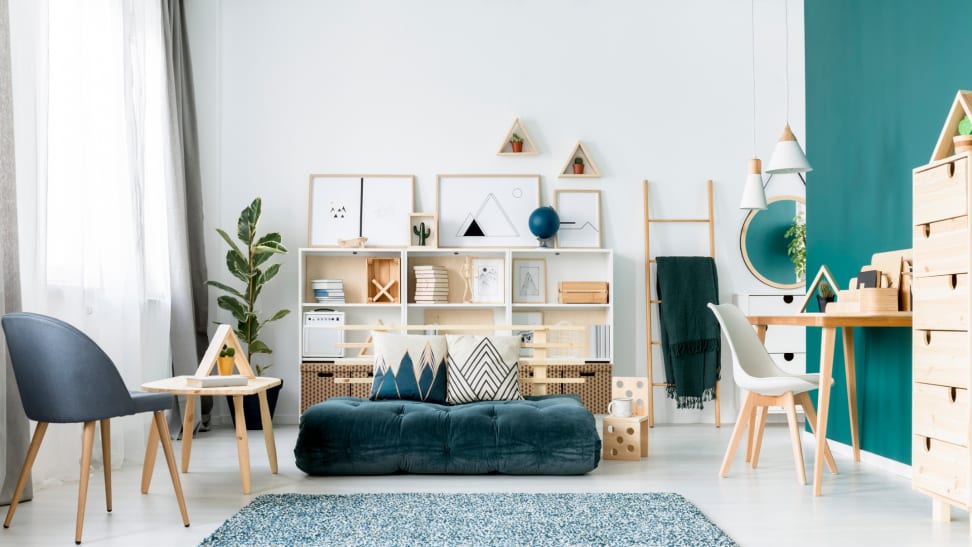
x: 881, y: 76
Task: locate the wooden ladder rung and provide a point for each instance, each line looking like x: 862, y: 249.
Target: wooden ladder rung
x: 706, y: 220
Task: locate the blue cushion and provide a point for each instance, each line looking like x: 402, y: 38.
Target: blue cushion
x: 550, y: 435
x: 409, y: 367
x: 151, y: 402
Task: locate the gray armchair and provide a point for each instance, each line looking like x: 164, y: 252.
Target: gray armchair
x: 64, y: 377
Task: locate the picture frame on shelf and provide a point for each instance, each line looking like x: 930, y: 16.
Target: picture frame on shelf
x: 488, y: 280
x: 346, y: 207
x: 415, y: 229
x: 486, y: 210
x: 522, y: 318
x: 580, y: 219
x: 529, y: 280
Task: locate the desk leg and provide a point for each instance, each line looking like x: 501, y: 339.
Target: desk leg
x: 828, y: 337
x: 851, y: 372
x: 242, y: 449
x: 187, y: 422
x: 268, y: 431
x: 151, y: 449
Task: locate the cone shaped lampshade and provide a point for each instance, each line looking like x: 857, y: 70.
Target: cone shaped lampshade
x: 788, y: 157
x: 753, y: 195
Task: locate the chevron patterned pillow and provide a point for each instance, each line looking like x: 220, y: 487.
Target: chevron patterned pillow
x: 482, y: 368
x: 409, y: 367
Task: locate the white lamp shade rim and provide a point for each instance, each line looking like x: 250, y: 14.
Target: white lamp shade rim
x: 788, y: 157
x: 754, y: 197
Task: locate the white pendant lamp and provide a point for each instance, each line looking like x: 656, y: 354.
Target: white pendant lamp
x: 788, y: 156
x: 754, y: 196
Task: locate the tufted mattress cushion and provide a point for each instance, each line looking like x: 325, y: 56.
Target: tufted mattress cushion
x: 550, y: 435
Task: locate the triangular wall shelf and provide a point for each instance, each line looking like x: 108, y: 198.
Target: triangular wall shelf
x: 590, y: 168
x: 529, y: 149
x: 961, y: 107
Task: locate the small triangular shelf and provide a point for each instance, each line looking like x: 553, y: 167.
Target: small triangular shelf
x: 224, y: 335
x: 590, y: 168
x: 506, y: 149
x: 961, y: 107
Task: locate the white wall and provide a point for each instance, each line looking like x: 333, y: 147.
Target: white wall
x: 657, y: 90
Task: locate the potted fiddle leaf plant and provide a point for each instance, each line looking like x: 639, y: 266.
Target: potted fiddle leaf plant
x: 578, y: 166
x: 249, y: 262
x: 516, y: 142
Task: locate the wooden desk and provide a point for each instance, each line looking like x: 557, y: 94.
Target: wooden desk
x: 829, y: 323
x: 177, y: 386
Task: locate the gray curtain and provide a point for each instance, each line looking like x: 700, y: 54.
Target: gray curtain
x: 190, y: 309
x: 14, y: 428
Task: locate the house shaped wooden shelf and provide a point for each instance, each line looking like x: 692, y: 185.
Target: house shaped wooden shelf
x: 590, y: 168
x: 961, y: 107
x: 529, y: 149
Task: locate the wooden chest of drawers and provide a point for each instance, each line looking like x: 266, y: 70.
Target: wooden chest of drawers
x: 940, y: 344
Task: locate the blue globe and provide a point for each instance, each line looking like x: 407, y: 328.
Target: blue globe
x: 544, y: 222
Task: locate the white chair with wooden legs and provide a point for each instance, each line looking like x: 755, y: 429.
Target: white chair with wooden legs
x: 767, y: 385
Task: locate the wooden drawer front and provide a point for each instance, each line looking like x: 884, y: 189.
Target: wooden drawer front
x: 942, y: 247
x: 941, y: 357
x: 941, y: 302
x: 940, y: 468
x: 940, y: 192
x: 793, y: 363
x: 941, y: 412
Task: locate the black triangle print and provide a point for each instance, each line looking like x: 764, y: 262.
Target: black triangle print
x: 474, y: 230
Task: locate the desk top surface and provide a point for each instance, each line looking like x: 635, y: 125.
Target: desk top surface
x: 177, y: 386
x: 884, y: 319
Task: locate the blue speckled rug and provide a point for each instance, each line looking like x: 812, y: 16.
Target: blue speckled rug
x: 469, y: 519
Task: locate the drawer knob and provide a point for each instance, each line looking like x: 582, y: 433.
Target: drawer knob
x: 952, y: 393
x: 954, y: 280
x: 926, y: 230
x: 787, y: 298
x: 927, y: 444
x: 951, y: 169
x: 927, y: 337
x: 788, y: 356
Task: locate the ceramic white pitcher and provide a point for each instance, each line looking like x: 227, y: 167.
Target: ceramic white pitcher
x: 620, y: 407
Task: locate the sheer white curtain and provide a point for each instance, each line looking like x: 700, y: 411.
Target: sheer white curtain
x: 90, y: 107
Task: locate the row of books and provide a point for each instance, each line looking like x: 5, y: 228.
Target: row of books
x: 600, y: 342
x: 431, y: 284
x: 328, y: 291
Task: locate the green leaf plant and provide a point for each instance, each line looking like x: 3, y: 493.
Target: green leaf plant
x: 796, y: 245
x: 244, y: 263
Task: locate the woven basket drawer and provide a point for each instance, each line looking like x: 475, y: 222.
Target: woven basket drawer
x: 595, y: 392
x: 317, y: 383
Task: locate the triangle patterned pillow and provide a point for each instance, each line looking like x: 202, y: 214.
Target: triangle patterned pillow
x: 409, y: 367
x: 483, y: 368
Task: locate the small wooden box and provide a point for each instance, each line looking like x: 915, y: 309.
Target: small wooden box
x: 582, y: 292
x: 384, y: 280
x: 625, y: 438
x: 878, y: 300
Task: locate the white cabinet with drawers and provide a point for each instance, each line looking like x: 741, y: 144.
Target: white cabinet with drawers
x: 786, y: 345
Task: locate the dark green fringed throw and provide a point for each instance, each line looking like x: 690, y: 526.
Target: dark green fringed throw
x: 690, y: 334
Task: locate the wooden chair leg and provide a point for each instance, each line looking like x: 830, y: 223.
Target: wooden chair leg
x: 804, y: 400
x: 35, y: 443
x: 788, y: 403
x: 742, y: 423
x: 758, y: 441
x: 106, y: 456
x: 750, y: 436
x: 151, y: 449
x: 163, y: 433
x: 86, y: 446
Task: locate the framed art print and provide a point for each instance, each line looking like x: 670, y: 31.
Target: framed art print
x: 529, y: 280
x: 580, y: 218
x: 486, y: 210
x: 350, y: 206
x: 487, y: 277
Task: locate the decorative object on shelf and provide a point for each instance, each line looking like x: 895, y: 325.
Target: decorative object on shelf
x: 467, y: 277
x: 384, y: 279
x: 249, y: 264
x: 788, y: 156
x: 347, y: 207
x: 770, y: 242
x: 488, y: 276
x: 353, y: 243
x: 754, y: 193
x: 580, y: 218
x: 431, y: 284
x: 526, y: 336
x: 529, y: 280
x: 422, y: 232
x: 328, y: 291
x: 544, y: 223
x: 582, y: 292
x: 517, y: 142
x: 961, y: 109
x: 577, y: 163
x: 825, y: 295
x: 431, y: 221
x: 225, y: 360
x: 822, y: 274
x: 963, y: 141
x: 486, y: 210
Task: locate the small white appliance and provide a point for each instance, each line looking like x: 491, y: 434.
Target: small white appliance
x: 321, y: 335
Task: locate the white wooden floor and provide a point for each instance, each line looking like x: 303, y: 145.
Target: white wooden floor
x: 860, y: 506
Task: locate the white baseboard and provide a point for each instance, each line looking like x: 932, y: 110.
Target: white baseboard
x: 869, y: 458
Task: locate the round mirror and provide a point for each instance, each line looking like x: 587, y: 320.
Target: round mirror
x: 763, y: 243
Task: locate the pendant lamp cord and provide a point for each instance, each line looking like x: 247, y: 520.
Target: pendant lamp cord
x: 786, y: 53
x: 752, y: 28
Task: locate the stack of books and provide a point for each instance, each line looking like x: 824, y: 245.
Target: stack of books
x: 431, y: 284
x: 328, y: 291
